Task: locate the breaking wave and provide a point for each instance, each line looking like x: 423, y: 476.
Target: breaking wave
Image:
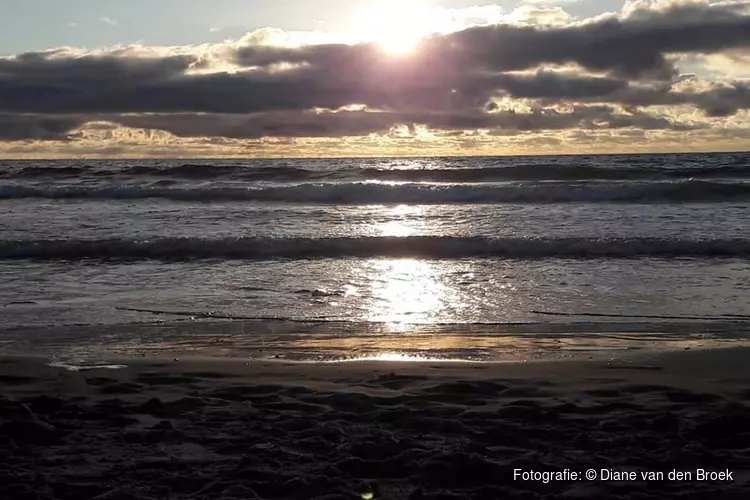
x: 363, y: 193
x: 489, y: 173
x: 553, y: 172
x: 250, y: 248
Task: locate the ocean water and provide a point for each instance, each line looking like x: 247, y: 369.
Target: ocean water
x: 481, y: 258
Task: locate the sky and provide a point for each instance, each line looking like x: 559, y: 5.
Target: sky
x: 296, y: 78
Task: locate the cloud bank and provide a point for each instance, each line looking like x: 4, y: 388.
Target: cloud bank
x: 652, y: 71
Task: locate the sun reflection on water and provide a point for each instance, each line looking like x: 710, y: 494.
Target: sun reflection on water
x: 396, y: 228
x: 405, y: 291
x: 402, y: 220
x: 405, y: 357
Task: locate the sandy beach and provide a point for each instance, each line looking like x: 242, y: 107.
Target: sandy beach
x: 226, y: 429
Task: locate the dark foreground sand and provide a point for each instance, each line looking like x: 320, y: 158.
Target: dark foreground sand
x: 224, y: 430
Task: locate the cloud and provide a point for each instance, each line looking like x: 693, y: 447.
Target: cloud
x: 714, y: 99
x: 40, y: 128
x: 107, y: 20
x: 160, y: 85
x: 538, y: 71
x: 635, y: 44
x: 734, y: 64
x: 333, y: 124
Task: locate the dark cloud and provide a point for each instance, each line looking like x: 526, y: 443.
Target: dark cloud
x: 394, y: 88
x: 327, y: 124
x: 112, y: 68
x: 715, y: 101
x: 34, y: 127
x: 449, y: 83
x: 355, y: 123
x: 554, y: 85
x: 720, y: 101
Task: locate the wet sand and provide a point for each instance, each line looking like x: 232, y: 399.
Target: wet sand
x: 224, y: 429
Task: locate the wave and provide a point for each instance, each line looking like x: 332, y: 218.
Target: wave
x: 48, y: 172
x: 284, y: 173
x: 551, y: 172
x: 433, y: 247
x: 378, y: 193
x: 191, y: 171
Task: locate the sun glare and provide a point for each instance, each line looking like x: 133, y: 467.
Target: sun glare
x: 396, y: 26
x: 406, y: 291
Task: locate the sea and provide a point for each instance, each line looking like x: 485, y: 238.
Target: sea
x: 308, y: 260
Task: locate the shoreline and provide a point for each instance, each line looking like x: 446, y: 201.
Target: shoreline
x: 689, y: 366
x: 311, y: 342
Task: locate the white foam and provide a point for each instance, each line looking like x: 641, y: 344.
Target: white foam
x: 80, y: 368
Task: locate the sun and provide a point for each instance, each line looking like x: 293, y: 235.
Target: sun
x: 397, y: 26
x: 399, y: 44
